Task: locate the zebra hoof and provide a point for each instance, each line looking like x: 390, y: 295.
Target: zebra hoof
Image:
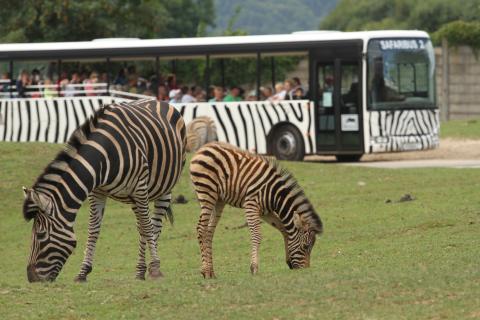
x: 253, y: 269
x: 155, y: 274
x: 209, y: 274
x: 140, y: 277
x: 80, y: 279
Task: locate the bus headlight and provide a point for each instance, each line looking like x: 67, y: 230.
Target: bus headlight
x: 381, y: 139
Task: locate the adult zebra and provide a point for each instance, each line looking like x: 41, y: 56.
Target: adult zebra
x: 223, y: 174
x: 131, y: 152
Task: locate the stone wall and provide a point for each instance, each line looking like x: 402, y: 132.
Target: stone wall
x: 458, y: 82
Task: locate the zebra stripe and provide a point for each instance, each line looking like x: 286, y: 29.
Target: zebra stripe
x: 131, y: 152
x: 57, y: 118
x: 247, y: 124
x: 403, y: 130
x: 223, y: 174
x: 46, y: 120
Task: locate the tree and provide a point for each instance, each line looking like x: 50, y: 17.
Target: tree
x: 69, y: 20
x: 428, y: 15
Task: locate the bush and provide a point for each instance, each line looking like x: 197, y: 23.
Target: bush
x: 459, y: 33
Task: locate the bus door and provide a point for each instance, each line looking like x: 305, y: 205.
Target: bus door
x: 337, y: 74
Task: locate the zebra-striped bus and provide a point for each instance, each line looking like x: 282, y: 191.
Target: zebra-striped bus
x: 366, y: 92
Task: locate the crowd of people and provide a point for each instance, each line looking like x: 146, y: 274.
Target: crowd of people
x: 287, y: 90
x: 83, y: 83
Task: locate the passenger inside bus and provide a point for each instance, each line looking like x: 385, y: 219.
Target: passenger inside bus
x: 218, y: 94
x: 234, y: 95
x: 93, y: 83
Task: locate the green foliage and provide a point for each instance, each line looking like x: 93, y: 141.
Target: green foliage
x: 428, y: 15
x: 376, y: 260
x: 67, y: 20
x: 460, y: 33
x: 272, y: 16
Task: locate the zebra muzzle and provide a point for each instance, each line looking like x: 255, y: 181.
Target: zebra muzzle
x: 290, y: 265
x: 32, y: 274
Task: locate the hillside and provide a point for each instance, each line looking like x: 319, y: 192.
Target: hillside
x: 271, y: 16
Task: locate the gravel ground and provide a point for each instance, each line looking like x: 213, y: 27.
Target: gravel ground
x: 450, y: 149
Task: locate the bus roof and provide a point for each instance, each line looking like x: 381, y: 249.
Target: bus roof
x: 132, y: 47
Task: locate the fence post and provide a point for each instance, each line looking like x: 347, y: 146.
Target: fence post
x: 445, y: 107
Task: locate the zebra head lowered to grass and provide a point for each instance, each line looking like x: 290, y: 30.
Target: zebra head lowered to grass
x: 223, y: 174
x: 131, y: 152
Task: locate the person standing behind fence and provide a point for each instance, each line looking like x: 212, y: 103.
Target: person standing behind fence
x: 162, y: 93
x: 267, y: 93
x: 22, y: 83
x: 120, y: 82
x: 5, y: 83
x: 90, y: 84
x: 289, y: 89
x: 175, y: 96
x: 234, y: 95
x: 187, y: 96
x: 218, y: 93
x: 49, y: 91
x: 72, y: 86
x: 279, y: 93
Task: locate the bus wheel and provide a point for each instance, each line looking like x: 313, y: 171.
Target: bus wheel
x: 287, y: 144
x: 348, y: 157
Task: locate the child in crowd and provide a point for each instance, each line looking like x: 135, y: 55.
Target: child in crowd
x: 279, y: 92
x: 218, y: 93
x: 234, y: 94
x: 175, y: 96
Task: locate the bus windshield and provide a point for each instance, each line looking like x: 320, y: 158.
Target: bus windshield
x: 401, y: 74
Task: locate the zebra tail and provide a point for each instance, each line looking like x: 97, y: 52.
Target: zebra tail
x: 170, y: 215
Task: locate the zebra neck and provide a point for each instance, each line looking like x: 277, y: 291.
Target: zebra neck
x: 284, y: 205
x: 68, y: 183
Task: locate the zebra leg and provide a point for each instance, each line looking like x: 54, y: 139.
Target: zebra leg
x: 253, y: 222
x: 206, y: 228
x: 161, y: 209
x: 146, y: 231
x: 97, y: 207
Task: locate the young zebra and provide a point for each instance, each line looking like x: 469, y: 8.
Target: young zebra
x: 223, y: 174
x: 133, y: 153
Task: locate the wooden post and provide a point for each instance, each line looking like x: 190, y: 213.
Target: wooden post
x: 445, y: 107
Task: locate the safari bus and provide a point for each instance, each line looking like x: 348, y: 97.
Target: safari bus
x: 365, y: 92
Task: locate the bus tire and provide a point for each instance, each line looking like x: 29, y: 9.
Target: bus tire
x: 287, y: 143
x: 348, y: 157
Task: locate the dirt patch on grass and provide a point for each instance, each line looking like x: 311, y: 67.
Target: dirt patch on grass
x: 451, y: 149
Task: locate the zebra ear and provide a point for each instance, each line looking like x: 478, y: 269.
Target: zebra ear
x: 25, y: 191
x: 297, y: 220
x: 40, y: 200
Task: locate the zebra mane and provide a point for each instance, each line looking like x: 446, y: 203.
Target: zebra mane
x: 63, y: 158
x: 310, y: 215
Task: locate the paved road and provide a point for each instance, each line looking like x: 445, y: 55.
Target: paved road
x: 425, y: 163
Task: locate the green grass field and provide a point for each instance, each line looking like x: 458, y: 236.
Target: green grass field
x: 461, y: 129
x: 376, y: 260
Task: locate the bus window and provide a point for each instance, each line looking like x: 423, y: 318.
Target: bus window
x: 400, y: 74
x: 326, y: 111
x: 349, y: 101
